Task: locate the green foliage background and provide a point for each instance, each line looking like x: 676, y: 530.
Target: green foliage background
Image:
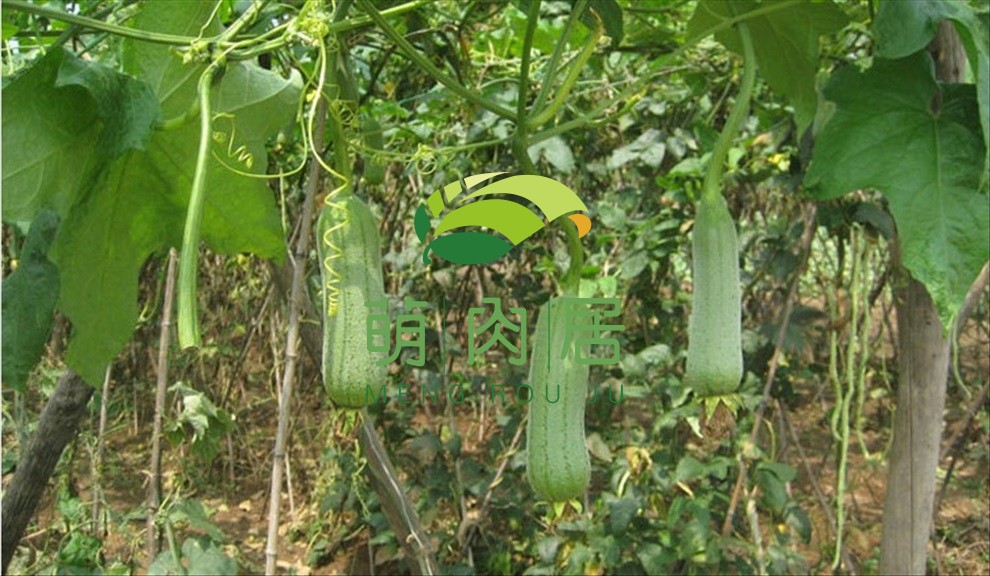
x: 623, y: 103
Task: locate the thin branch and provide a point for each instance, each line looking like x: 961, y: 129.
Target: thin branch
x: 401, y: 514
x: 98, y: 459
x: 417, y: 57
x: 292, y: 339
x: 469, y: 526
x: 155, y: 483
x: 57, y: 426
x: 94, y: 24
x: 785, y: 318
x: 177, y: 40
x: 956, y: 445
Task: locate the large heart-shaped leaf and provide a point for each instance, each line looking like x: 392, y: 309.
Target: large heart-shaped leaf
x: 122, y: 191
x: 903, y: 28
x: 896, y: 130
x: 63, y: 119
x: 785, y: 41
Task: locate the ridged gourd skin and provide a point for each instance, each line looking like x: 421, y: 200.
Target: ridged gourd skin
x: 715, y: 363
x: 557, y: 462
x: 348, y: 367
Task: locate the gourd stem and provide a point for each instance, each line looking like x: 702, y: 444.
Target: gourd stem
x: 711, y: 189
x: 571, y: 282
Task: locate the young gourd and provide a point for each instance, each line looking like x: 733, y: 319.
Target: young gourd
x: 714, y: 363
x: 351, y: 270
x: 557, y: 459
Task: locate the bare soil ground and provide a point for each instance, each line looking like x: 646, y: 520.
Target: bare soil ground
x: 235, y: 487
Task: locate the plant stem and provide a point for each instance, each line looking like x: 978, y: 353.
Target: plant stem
x: 532, y: 19
x: 712, y: 189
x: 188, y: 263
x: 341, y: 87
x: 428, y: 67
x: 579, y: 7
x: 571, y: 282
x: 178, y: 40
x: 97, y: 480
x: 577, y: 66
x: 247, y: 17
x: 520, y: 143
x: 845, y: 389
x: 86, y: 22
x: 173, y: 547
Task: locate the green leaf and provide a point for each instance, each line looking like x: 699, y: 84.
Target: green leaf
x: 654, y: 558
x: 902, y: 28
x: 63, y: 118
x: 798, y: 520
x: 772, y: 478
x: 240, y: 214
x: 99, y: 252
x: 688, y: 469
x: 556, y: 151
x: 250, y: 105
x: 649, y: 148
x: 157, y: 64
x: 547, y: 548
x: 29, y: 296
x: 202, y: 556
x: 634, y: 264
x: 785, y: 41
x: 611, y: 15
x: 195, y: 514
x: 621, y: 512
x: 897, y: 131
x: 8, y: 30
x: 127, y: 107
x: 136, y: 206
x: 977, y: 44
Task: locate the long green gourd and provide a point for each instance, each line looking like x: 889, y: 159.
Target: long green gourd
x: 349, y: 252
x: 351, y: 270
x: 715, y: 363
x: 557, y: 462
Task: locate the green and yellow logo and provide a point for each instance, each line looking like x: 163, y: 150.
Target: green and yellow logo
x: 444, y: 224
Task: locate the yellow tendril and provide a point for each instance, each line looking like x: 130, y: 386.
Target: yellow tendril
x: 331, y: 290
x: 241, y: 154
